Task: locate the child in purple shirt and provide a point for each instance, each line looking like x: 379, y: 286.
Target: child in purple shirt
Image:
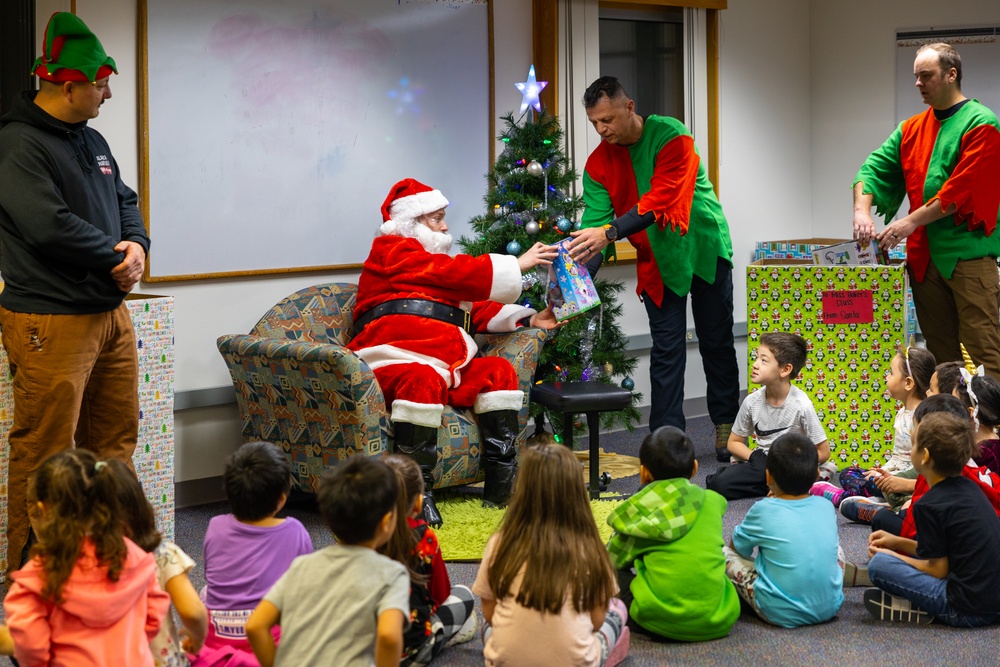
x: 248, y: 550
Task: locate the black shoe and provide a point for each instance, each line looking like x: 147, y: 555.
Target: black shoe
x: 498, y: 432
x: 722, y: 455
x: 498, y: 486
x: 430, y: 512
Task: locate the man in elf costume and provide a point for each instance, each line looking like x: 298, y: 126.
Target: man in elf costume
x: 946, y: 160
x: 417, y: 310
x: 74, y: 245
x: 645, y: 182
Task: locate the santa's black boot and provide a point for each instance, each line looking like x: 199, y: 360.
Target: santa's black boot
x: 498, y: 431
x: 420, y: 443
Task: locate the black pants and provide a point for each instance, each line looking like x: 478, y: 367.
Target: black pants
x: 741, y: 480
x: 889, y: 521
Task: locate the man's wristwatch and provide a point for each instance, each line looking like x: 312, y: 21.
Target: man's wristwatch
x: 610, y: 233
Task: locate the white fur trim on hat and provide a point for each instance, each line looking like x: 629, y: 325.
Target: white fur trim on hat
x: 490, y: 401
x: 413, y: 206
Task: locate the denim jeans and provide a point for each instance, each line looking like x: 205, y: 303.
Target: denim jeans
x: 712, y: 307
x: 925, y: 591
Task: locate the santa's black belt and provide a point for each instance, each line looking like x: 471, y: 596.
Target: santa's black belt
x: 419, y: 307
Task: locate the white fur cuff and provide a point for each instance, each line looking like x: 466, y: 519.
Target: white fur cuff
x: 491, y: 401
x: 421, y: 414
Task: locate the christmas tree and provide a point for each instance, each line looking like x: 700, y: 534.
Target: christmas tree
x: 528, y: 201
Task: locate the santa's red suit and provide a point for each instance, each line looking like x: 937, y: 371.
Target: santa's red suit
x: 423, y: 363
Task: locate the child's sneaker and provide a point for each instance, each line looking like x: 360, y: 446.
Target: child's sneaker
x: 827, y: 471
x: 619, y: 651
x: 466, y: 632
x: 828, y: 491
x: 860, y: 509
x: 886, y: 607
x: 856, y: 575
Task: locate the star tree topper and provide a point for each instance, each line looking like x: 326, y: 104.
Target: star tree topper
x: 530, y: 90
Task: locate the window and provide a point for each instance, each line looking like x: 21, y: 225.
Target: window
x: 645, y: 51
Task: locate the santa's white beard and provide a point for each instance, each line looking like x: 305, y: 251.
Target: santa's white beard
x: 436, y: 242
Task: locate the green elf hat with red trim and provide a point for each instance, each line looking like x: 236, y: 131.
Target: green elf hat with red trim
x: 72, y: 52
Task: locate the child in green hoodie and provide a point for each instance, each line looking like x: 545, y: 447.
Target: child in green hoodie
x: 672, y: 531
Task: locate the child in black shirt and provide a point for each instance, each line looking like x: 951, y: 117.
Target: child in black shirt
x: 951, y: 574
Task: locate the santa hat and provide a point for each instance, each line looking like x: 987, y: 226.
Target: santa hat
x: 72, y: 52
x: 410, y: 199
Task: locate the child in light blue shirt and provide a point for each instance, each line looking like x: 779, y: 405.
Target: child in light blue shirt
x: 797, y: 575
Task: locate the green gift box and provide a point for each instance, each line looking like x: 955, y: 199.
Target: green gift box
x: 852, y: 319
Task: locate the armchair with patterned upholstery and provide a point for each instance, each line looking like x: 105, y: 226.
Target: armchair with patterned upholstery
x: 300, y: 388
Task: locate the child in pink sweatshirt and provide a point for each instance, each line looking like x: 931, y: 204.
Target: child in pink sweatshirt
x: 88, y: 596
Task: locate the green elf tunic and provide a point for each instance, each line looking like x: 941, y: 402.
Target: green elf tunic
x: 672, y: 531
x: 663, y: 173
x: 955, y: 161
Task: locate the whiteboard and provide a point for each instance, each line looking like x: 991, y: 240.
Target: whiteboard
x: 275, y: 128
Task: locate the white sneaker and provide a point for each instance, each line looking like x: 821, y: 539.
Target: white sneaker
x: 465, y: 633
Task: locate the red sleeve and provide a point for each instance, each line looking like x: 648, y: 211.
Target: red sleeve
x: 440, y: 583
x: 972, y: 186
x: 671, y: 190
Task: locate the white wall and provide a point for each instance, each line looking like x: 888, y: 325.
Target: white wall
x: 806, y: 93
x: 853, y: 63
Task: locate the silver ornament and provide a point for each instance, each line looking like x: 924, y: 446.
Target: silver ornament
x: 531, y: 227
x: 535, y: 168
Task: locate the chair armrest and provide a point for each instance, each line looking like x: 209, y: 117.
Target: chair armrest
x: 246, y: 345
x: 525, y: 342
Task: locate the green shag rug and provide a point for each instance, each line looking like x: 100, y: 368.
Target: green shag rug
x: 468, y: 525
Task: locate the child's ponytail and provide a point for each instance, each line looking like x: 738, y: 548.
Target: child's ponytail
x: 78, y: 493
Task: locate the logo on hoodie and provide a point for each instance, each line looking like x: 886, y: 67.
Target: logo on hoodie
x: 104, y: 164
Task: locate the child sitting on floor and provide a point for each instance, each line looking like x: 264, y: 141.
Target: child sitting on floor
x: 778, y: 407
x: 545, y: 581
x: 910, y: 373
x: 671, y: 530
x: 950, y: 574
x: 439, y: 612
x: 797, y: 576
x: 246, y: 551
x: 172, y: 566
x: 346, y: 604
x: 981, y: 396
x: 88, y: 596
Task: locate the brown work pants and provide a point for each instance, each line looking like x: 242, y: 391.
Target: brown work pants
x: 75, y: 384
x: 964, y: 308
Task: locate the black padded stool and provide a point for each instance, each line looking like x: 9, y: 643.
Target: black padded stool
x: 591, y: 398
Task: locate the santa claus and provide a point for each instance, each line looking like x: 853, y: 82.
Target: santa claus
x: 417, y: 310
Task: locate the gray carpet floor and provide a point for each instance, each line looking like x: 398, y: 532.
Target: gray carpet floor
x: 853, y: 638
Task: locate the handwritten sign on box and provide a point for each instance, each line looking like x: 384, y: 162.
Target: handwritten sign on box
x: 847, y: 306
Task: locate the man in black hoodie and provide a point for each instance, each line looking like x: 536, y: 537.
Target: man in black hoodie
x: 73, y: 245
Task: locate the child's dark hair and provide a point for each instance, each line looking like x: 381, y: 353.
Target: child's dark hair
x: 793, y: 463
x: 667, y: 453
x: 80, y: 498
x: 949, y: 373
x: 987, y: 391
x: 256, y: 476
x: 354, y: 496
x: 787, y: 349
x: 940, y: 403
x: 137, y: 513
x: 949, y: 439
x: 401, y: 546
x: 920, y: 364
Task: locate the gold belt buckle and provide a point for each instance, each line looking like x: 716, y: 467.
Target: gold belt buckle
x: 467, y: 324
